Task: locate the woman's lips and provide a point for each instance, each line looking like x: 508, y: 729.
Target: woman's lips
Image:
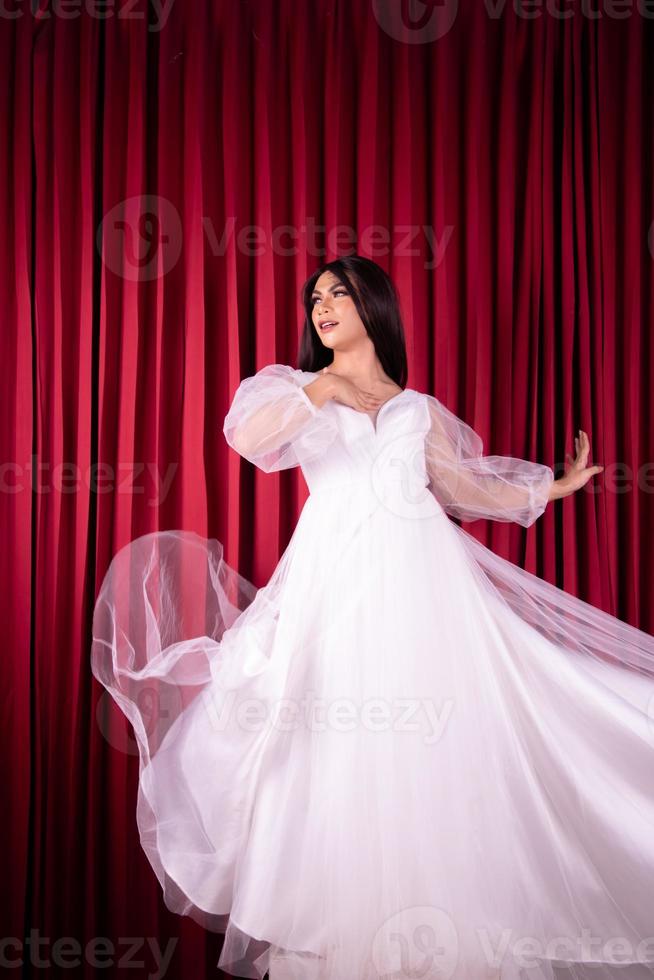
x: 329, y: 325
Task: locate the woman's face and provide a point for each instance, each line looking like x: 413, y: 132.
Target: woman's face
x: 331, y: 301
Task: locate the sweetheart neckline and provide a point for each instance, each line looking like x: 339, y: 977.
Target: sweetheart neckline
x: 373, y: 425
x: 373, y: 422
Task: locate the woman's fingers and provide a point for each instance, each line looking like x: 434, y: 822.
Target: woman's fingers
x: 582, y: 446
x: 582, y: 449
x: 582, y: 442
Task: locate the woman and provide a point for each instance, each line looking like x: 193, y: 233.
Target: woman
x: 404, y: 756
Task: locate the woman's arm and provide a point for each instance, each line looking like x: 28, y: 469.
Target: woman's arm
x: 470, y: 485
x: 276, y: 422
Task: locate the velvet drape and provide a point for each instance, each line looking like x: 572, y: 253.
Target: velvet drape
x: 170, y: 175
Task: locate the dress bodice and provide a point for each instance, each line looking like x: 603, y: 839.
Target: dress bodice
x: 372, y: 455
x: 417, y: 456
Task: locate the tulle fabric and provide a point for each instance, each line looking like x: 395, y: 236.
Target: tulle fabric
x: 470, y: 485
x: 273, y: 423
x: 403, y: 756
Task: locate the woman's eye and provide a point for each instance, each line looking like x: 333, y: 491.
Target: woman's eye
x: 339, y: 292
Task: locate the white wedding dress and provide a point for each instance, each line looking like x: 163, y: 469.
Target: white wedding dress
x: 404, y: 757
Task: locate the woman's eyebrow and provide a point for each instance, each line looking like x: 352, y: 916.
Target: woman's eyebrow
x: 338, y: 285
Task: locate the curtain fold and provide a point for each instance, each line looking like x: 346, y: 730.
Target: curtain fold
x: 171, y: 174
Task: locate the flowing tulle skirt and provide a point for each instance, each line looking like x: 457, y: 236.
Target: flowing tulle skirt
x: 404, y: 757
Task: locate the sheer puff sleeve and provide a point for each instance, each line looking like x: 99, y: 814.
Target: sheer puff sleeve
x: 273, y: 423
x: 469, y: 485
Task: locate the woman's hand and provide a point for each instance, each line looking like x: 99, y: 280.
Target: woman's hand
x: 347, y: 393
x: 579, y: 473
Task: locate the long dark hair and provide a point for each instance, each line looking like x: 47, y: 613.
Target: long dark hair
x: 378, y: 305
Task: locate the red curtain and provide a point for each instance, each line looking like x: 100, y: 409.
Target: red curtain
x: 172, y: 173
